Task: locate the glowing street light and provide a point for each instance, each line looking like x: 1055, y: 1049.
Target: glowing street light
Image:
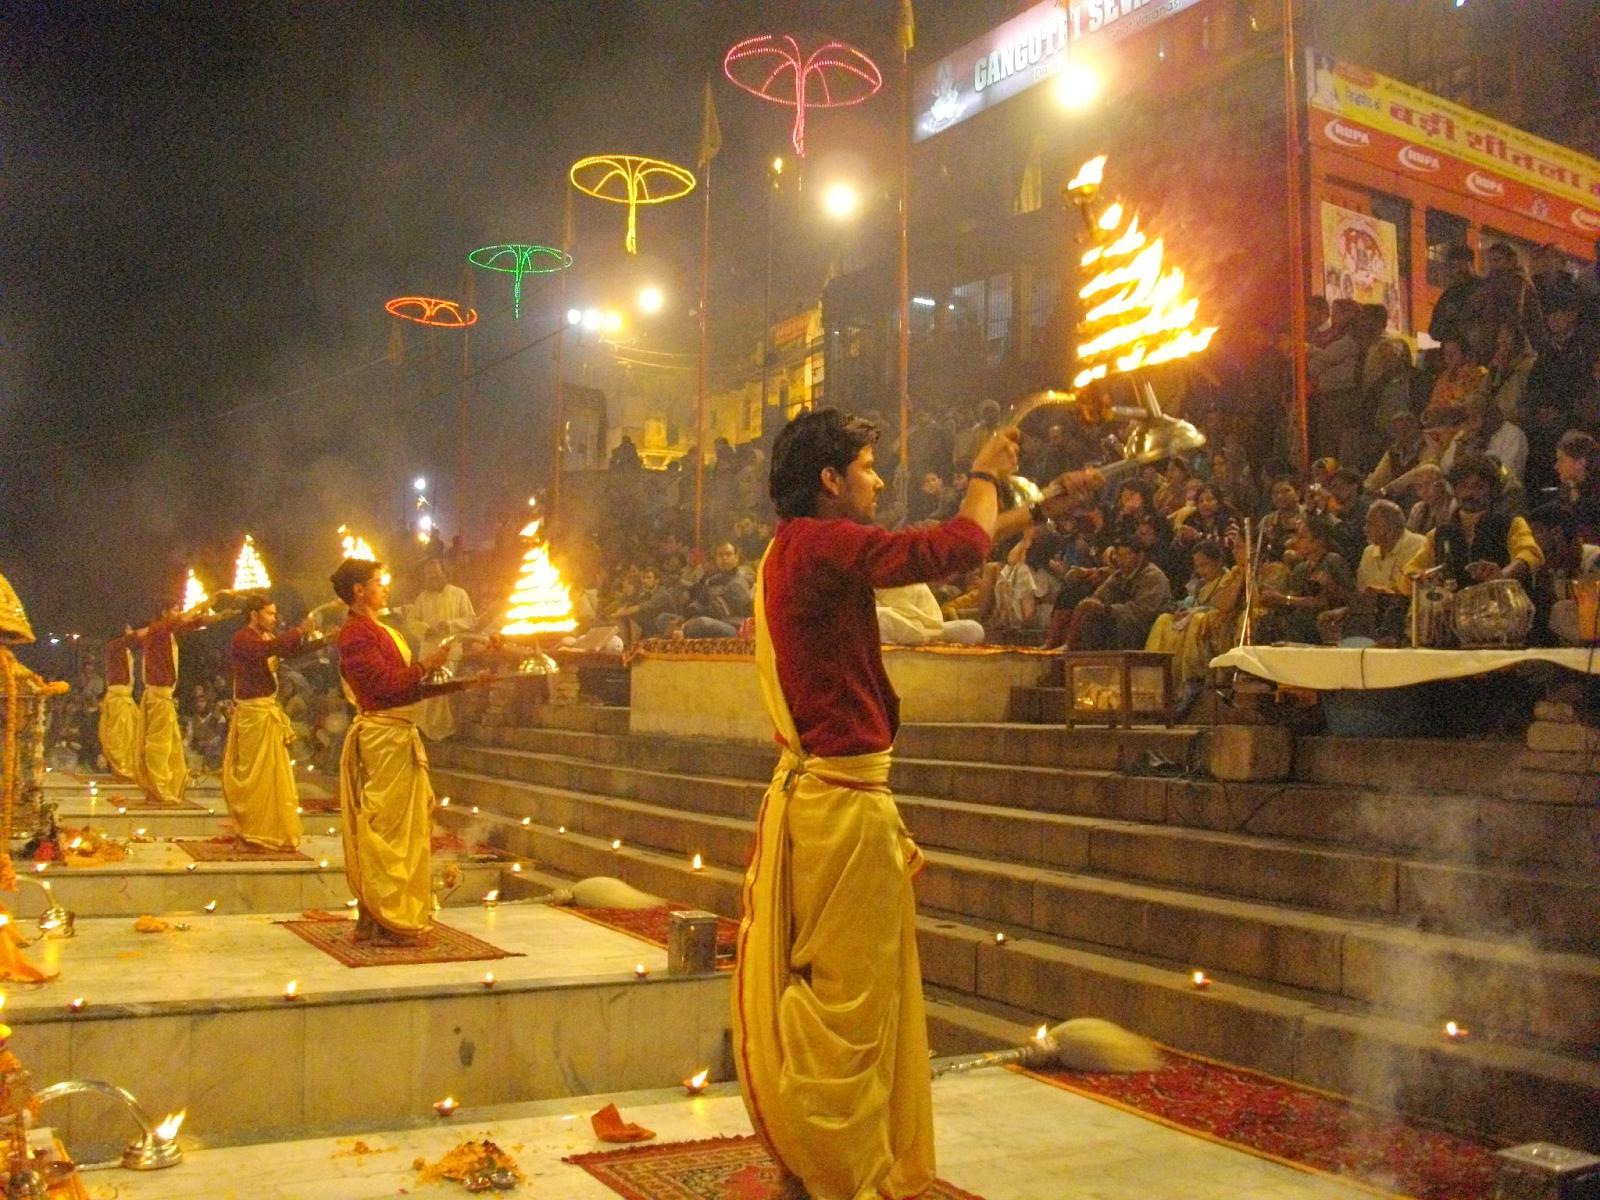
x: 613, y: 321
x: 1077, y: 86
x: 574, y: 316
x: 841, y: 201
x: 420, y: 484
x: 651, y: 299
x: 777, y: 165
x: 593, y: 318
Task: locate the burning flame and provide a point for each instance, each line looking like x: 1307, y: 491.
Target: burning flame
x: 697, y: 1082
x: 1089, y: 175
x: 194, y: 592
x: 249, y: 572
x: 1140, y: 316
x: 539, y: 602
x: 353, y: 546
x: 1042, y: 1033
x: 170, y: 1124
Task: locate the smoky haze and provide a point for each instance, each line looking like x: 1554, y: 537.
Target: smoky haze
x: 207, y: 208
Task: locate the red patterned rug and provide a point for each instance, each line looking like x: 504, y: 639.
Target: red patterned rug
x: 650, y: 925
x: 225, y: 849
x: 1296, y: 1125
x: 444, y: 944
x: 718, y: 1169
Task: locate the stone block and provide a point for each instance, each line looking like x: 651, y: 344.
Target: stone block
x: 1560, y: 737
x: 1241, y: 753
x: 1554, y: 710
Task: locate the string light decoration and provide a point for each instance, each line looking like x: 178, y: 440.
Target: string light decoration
x: 194, y: 592
x: 517, y: 259
x: 431, y: 311
x: 1135, y: 312
x: 539, y: 602
x: 631, y: 180
x: 774, y: 68
x: 249, y: 572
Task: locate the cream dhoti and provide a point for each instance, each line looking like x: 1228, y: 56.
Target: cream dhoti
x: 829, y: 1030
x: 163, y: 770
x: 121, y: 731
x: 387, y: 803
x: 257, y: 780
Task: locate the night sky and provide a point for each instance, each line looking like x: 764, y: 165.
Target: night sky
x: 207, y: 207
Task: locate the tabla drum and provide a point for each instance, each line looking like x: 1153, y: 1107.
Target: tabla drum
x: 1431, y: 624
x: 1494, y: 614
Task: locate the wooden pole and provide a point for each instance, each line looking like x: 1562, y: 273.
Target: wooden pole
x: 700, y: 381
x: 1297, y: 215
x: 558, y: 433
x: 903, y: 364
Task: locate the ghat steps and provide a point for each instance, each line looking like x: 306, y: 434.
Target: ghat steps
x: 1342, y: 919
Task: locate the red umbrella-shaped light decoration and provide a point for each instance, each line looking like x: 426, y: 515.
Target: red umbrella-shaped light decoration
x: 775, y: 68
x: 430, y: 310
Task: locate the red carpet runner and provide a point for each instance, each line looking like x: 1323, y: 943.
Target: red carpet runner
x: 336, y: 938
x: 1288, y: 1123
x: 718, y: 1169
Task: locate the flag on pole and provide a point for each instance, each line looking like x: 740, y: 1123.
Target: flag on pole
x: 905, y: 27
x: 710, y: 131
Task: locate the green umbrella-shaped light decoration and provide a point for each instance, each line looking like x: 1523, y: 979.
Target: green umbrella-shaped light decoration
x: 517, y: 259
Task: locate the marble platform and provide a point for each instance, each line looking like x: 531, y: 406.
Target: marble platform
x: 157, y: 878
x: 197, y: 1019
x: 1000, y: 1135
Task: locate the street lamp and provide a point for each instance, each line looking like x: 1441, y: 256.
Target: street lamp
x: 1077, y: 86
x: 841, y: 201
x: 420, y: 483
x: 651, y: 299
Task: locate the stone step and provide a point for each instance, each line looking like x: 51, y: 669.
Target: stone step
x: 1262, y: 853
x: 1480, y: 1086
x: 1408, y: 764
x: 201, y: 1023
x: 160, y: 879
x: 1023, y: 745
x: 1448, y: 827
x: 1530, y: 993
x: 584, y: 718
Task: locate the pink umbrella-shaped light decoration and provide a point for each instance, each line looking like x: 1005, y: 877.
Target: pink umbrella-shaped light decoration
x: 834, y: 75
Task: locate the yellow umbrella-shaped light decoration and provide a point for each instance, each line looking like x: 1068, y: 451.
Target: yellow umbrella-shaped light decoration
x: 194, y: 592
x: 249, y: 572
x: 540, y: 602
x: 632, y: 180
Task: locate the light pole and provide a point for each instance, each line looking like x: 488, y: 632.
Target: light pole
x: 774, y: 175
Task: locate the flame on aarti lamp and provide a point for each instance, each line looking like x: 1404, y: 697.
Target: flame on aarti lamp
x: 353, y: 546
x: 1136, y: 314
x: 170, y: 1124
x: 249, y: 572
x: 194, y: 592
x: 539, y: 603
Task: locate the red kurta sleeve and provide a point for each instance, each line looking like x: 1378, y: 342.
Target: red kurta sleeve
x: 372, y: 666
x: 893, y: 559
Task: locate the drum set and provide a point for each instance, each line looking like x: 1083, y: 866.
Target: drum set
x: 1493, y: 615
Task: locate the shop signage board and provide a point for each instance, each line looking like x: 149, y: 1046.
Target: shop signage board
x: 1393, y: 125
x: 1022, y: 53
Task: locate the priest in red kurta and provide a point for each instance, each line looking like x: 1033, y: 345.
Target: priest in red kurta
x: 384, y: 792
x: 257, y: 775
x: 163, y: 769
x: 829, y: 1033
x: 121, y: 727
